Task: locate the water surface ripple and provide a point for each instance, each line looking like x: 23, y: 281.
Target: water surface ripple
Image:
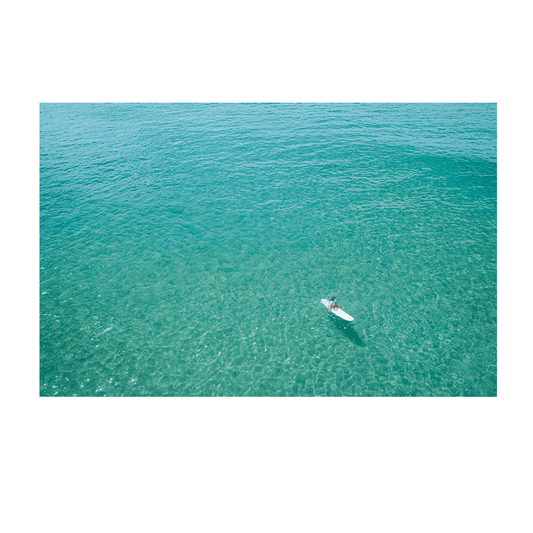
x: 184, y: 249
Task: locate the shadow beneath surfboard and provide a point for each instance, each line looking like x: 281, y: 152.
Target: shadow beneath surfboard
x: 346, y: 328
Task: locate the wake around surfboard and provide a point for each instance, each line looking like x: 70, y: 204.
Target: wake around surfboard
x: 339, y: 312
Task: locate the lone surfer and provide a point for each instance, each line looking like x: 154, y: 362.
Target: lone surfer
x: 333, y: 304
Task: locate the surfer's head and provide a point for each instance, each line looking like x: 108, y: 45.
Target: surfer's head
x: 332, y: 298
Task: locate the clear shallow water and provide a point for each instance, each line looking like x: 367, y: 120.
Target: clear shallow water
x: 185, y: 249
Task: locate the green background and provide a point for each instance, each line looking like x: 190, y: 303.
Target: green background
x: 259, y: 474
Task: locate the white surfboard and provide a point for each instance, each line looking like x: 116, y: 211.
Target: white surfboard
x: 339, y: 312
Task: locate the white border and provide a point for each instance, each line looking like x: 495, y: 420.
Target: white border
x: 31, y: 404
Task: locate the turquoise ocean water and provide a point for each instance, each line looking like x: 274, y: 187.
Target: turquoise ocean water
x: 184, y: 249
